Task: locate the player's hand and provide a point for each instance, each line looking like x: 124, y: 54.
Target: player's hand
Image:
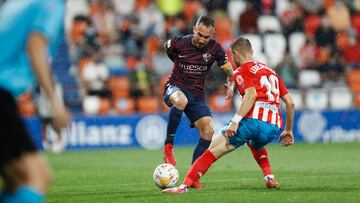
x: 287, y: 138
x: 61, y: 117
x: 231, y: 130
x: 229, y: 91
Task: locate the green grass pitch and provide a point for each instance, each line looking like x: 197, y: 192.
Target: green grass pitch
x: 306, y: 173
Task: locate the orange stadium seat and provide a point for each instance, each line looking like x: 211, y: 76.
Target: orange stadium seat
x: 357, y: 99
x: 148, y: 104
x: 124, y: 105
x: 353, y: 79
x: 105, y: 105
x: 119, y: 87
x: 342, y: 40
x: 83, y: 62
x: 219, y: 104
x: 152, y: 45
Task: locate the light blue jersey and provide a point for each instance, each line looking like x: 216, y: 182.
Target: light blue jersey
x: 18, y: 19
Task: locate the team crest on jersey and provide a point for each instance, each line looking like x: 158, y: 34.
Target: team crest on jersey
x: 206, y: 57
x: 240, y: 80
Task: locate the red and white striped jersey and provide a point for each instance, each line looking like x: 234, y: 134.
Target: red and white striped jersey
x: 269, y: 88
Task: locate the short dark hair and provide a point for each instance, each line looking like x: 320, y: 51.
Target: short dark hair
x: 242, y: 44
x: 206, y: 20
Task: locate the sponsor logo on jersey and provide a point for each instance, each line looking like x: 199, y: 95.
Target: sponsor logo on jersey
x: 193, y: 68
x: 240, y: 80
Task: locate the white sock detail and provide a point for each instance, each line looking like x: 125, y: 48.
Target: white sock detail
x: 271, y: 176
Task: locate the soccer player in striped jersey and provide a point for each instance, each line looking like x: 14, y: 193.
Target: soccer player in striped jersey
x: 193, y: 56
x: 260, y: 156
x: 258, y: 119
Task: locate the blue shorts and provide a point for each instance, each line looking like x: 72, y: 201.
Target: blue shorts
x: 196, y: 107
x: 259, y: 133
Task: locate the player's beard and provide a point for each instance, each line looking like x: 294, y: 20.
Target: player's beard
x: 198, y: 45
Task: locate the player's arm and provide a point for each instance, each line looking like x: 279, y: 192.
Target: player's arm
x: 248, y: 102
x: 229, y: 85
x: 287, y: 136
x: 169, y: 48
x: 37, y: 47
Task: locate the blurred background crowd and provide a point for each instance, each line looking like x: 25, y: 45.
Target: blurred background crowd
x: 112, y: 61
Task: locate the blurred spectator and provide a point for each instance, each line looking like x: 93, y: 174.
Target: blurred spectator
x: 312, y: 6
x: 308, y: 55
x: 175, y: 26
x: 103, y: 16
x: 143, y: 79
x: 351, y: 52
x: 248, y: 19
x: 354, y: 5
x: 339, y: 16
x: 288, y: 71
x: 333, y: 69
x: 266, y: 7
x: 325, y: 34
x: 223, y: 31
x: 151, y: 21
x: 170, y: 8
x: 311, y: 24
x: 124, y: 7
x: 192, y: 9
x: 84, y: 38
x: 292, y: 19
x: 123, y: 39
x: 219, y: 5
x: 162, y: 64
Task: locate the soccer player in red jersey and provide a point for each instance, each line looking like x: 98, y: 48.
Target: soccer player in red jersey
x: 193, y: 56
x: 260, y: 156
x: 257, y: 121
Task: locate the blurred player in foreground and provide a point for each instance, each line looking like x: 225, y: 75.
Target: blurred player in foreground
x: 193, y: 56
x: 30, y: 31
x: 257, y: 121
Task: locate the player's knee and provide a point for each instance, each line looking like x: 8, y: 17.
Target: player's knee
x: 207, y: 133
x: 180, y: 102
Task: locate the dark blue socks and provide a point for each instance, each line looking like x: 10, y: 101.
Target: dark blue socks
x: 201, y: 147
x: 174, y: 120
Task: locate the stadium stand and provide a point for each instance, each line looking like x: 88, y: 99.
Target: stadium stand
x: 112, y: 55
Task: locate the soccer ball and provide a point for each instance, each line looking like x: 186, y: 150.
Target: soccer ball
x: 165, y: 176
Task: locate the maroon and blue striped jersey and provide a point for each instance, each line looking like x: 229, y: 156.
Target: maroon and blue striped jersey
x: 191, y: 64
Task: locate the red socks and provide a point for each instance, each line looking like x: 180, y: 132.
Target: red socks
x: 199, y: 168
x: 262, y: 159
